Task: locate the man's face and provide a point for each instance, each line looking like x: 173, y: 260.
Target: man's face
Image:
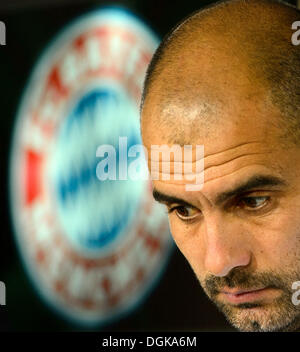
x: 241, y: 231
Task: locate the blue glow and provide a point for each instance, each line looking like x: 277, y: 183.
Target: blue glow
x: 71, y: 184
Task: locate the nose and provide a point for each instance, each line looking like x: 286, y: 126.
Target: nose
x: 227, y: 246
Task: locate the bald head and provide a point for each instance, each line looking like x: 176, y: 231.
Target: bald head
x: 233, y: 56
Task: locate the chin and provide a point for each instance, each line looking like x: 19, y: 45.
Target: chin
x: 262, y: 318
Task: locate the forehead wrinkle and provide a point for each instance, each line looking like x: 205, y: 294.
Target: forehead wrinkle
x: 182, y: 183
x: 232, y: 159
x: 235, y: 160
x: 239, y: 148
x: 175, y: 165
x: 209, y: 156
x: 235, y: 147
x: 207, y: 178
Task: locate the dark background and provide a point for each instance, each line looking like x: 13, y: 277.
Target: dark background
x: 177, y: 303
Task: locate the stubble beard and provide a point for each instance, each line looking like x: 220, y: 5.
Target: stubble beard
x: 280, y: 314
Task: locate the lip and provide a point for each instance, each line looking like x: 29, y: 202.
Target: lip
x: 244, y: 296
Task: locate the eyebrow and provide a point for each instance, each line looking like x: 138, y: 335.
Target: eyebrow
x: 164, y: 198
x: 253, y: 182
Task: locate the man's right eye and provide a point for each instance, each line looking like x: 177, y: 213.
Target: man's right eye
x: 185, y: 213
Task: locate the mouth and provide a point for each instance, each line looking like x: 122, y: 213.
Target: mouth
x: 238, y: 296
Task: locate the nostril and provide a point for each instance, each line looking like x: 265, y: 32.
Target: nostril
x: 220, y: 264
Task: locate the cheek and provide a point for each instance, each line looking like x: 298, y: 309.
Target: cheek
x: 277, y: 244
x: 189, y: 242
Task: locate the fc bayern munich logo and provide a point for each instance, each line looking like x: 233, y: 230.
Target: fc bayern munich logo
x: 93, y: 248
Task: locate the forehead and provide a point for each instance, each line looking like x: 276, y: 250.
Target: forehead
x: 241, y: 140
x: 205, y: 108
x: 217, y: 126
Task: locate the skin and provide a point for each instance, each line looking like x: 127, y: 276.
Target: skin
x: 249, y: 239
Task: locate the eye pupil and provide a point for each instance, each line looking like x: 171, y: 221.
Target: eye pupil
x: 183, y: 211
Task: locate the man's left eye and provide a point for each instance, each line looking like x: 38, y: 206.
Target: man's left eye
x: 253, y: 202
